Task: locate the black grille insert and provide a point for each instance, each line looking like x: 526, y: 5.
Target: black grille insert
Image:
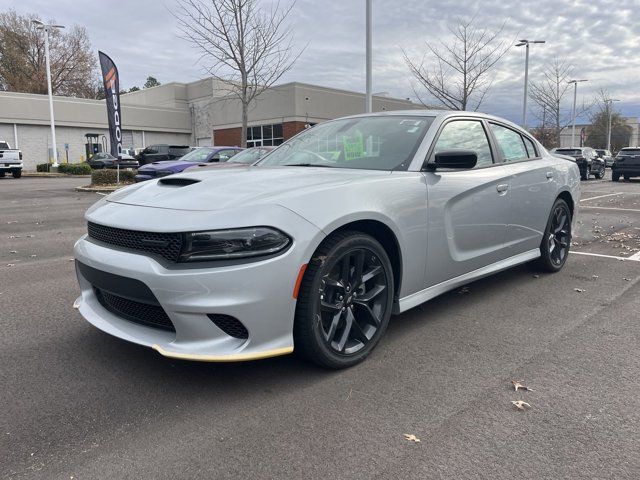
x: 137, y: 312
x: 229, y: 325
x: 166, y: 245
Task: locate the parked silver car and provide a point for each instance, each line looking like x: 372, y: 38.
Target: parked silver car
x: 337, y: 229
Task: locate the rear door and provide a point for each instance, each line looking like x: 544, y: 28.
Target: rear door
x: 467, y: 209
x: 532, y: 187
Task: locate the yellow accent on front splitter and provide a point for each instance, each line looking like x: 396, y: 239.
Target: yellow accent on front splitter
x: 240, y: 357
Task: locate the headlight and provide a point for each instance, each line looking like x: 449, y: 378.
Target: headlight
x: 230, y: 244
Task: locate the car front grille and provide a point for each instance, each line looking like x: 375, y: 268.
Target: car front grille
x: 137, y: 312
x: 166, y: 245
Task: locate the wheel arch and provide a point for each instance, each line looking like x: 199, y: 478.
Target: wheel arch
x: 567, y: 197
x: 387, y: 238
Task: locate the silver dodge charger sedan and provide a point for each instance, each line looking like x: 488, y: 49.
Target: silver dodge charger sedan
x: 315, y: 248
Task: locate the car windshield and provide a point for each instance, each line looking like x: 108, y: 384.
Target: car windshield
x: 198, y: 155
x: 249, y: 156
x: 569, y: 151
x: 367, y: 143
x: 4, y: 145
x: 629, y: 152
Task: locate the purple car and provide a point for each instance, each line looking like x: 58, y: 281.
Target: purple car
x: 197, y: 156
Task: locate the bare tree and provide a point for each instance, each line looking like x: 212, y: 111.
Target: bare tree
x: 549, y: 93
x: 456, y: 71
x: 598, y: 131
x: 246, y: 46
x: 22, y: 60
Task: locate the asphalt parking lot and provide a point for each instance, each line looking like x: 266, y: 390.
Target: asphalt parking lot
x: 77, y: 403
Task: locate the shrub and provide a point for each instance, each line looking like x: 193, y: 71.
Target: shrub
x: 42, y: 167
x: 108, y: 176
x: 75, y: 168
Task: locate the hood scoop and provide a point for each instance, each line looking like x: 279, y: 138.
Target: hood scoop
x: 177, y: 182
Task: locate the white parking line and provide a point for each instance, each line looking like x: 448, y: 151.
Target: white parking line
x: 601, y: 196
x: 587, y: 207
x: 633, y: 258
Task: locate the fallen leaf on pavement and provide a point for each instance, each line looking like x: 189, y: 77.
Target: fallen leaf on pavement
x: 517, y: 385
x: 519, y: 404
x: 411, y: 438
x: 579, y: 290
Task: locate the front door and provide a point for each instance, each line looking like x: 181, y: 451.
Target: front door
x: 468, y: 209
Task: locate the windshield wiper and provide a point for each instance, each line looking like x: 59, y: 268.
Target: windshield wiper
x: 307, y: 165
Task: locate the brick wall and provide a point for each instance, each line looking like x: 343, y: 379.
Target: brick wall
x: 227, y: 137
x: 289, y: 129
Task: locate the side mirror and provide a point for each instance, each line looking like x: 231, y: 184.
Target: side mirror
x: 459, y: 159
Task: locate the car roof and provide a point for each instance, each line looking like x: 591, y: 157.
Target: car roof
x: 439, y: 114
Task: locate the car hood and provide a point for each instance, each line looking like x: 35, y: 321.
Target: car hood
x: 173, y: 165
x: 225, y: 188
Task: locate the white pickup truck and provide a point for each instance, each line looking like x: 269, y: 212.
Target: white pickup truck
x: 10, y: 160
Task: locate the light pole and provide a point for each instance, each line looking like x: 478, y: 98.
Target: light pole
x: 526, y: 44
x: 48, y: 28
x: 573, y: 117
x: 369, y: 13
x: 610, y: 108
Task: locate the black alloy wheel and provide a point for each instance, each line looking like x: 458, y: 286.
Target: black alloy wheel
x: 345, y: 301
x: 600, y: 174
x: 556, y: 241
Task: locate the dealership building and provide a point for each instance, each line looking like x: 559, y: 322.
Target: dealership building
x: 198, y: 113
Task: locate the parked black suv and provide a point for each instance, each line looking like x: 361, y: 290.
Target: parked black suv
x: 626, y: 164
x: 587, y: 159
x: 158, y: 153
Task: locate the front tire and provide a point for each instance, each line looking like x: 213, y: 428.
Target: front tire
x: 345, y: 301
x: 556, y: 241
x: 600, y: 174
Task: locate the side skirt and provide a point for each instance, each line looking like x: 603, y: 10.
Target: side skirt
x: 422, y: 296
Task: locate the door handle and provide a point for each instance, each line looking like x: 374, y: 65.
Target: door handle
x: 503, y: 187
x: 549, y: 175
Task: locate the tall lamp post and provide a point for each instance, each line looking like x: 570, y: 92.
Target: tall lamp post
x: 573, y: 117
x: 526, y: 43
x: 48, y: 28
x: 369, y: 13
x: 610, y: 108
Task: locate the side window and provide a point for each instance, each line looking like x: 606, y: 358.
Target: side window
x: 224, y: 155
x: 531, y: 149
x: 510, y: 143
x: 465, y: 135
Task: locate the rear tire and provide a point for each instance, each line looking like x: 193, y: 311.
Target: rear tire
x: 2, y: 174
x: 16, y: 173
x: 627, y: 178
x: 556, y: 241
x: 615, y: 177
x: 585, y: 175
x: 344, y: 302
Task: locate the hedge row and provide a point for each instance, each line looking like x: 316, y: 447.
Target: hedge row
x: 108, y: 176
x: 68, y: 168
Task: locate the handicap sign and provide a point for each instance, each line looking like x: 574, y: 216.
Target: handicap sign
x: 66, y: 146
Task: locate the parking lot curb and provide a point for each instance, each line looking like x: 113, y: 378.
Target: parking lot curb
x: 93, y: 188
x: 52, y: 175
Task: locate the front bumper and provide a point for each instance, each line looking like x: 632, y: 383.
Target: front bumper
x: 259, y: 294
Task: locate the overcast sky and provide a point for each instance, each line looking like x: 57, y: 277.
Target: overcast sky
x: 600, y: 37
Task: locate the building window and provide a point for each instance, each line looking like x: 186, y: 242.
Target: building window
x: 265, y: 135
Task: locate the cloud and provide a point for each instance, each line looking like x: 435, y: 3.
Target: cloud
x: 600, y: 38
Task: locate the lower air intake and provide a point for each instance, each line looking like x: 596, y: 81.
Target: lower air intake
x: 229, y: 325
